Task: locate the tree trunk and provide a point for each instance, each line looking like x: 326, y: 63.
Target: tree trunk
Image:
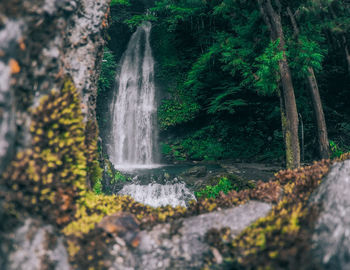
x: 320, y: 120
x: 316, y: 100
x: 290, y: 121
x: 287, y: 141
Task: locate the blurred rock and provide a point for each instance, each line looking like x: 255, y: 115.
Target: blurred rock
x: 181, y: 244
x: 35, y: 245
x: 331, y: 239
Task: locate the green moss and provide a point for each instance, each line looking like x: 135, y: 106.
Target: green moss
x: 94, y: 169
x: 48, y: 178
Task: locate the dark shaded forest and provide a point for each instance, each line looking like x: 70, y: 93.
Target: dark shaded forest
x: 224, y: 94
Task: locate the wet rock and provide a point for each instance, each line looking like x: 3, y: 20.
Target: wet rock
x: 197, y: 171
x: 35, y: 246
x: 182, y: 245
x: 331, y: 239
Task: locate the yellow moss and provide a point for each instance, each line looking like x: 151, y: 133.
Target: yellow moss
x: 57, y: 165
x: 73, y: 248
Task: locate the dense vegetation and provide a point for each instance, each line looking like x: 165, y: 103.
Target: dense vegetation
x: 228, y: 71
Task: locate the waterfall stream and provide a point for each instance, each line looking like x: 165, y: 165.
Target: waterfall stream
x: 134, y: 132
x: 133, y: 140
x: 159, y: 195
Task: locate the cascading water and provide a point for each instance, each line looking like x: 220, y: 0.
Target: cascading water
x: 133, y: 140
x: 134, y: 132
x: 159, y: 195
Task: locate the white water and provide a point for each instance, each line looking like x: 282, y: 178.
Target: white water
x: 134, y: 132
x: 133, y: 142
x: 159, y: 195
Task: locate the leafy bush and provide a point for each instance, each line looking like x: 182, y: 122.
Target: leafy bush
x: 224, y: 186
x: 108, y: 69
x: 176, y: 111
x: 336, y: 151
x: 173, y: 151
x: 119, y: 177
x: 203, y: 149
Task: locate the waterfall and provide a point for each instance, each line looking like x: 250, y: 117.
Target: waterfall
x: 133, y: 139
x: 134, y: 132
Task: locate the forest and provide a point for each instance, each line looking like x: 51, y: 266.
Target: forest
x: 263, y: 81
x: 174, y: 134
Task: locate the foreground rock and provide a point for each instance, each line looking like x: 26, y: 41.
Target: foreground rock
x: 34, y: 245
x: 42, y: 43
x: 332, y: 232
x: 181, y: 245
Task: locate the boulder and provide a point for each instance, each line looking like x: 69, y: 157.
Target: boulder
x: 182, y: 244
x: 34, y: 245
x: 331, y: 238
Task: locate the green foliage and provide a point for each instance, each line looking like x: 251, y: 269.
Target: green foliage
x: 225, y: 102
x: 336, y: 151
x: 306, y: 54
x: 268, y: 71
x: 137, y: 20
x: 218, y: 66
x: 108, y: 69
x: 224, y: 186
x: 201, y: 146
x: 97, y: 188
x: 119, y: 177
x: 176, y: 111
x: 173, y: 151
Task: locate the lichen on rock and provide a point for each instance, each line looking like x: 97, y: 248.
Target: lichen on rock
x: 48, y: 178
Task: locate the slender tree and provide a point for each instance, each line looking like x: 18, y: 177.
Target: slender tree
x: 316, y: 99
x: 272, y: 19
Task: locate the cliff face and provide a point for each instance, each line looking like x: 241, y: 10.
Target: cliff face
x: 50, y: 54
x: 43, y: 42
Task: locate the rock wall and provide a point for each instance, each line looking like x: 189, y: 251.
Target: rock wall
x: 43, y: 42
